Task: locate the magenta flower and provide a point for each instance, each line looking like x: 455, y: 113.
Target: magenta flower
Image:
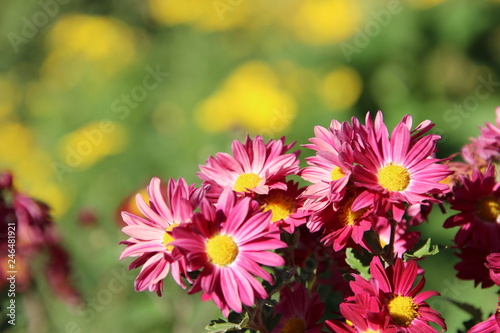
x: 472, y: 266
x: 230, y: 242
x: 487, y: 145
x: 329, y: 171
x: 285, y: 206
x: 150, y: 237
x: 300, y: 312
x: 35, y: 235
x: 365, y: 314
x: 255, y: 167
x: 344, y: 224
x: 404, y: 304
x: 398, y: 170
x: 478, y: 200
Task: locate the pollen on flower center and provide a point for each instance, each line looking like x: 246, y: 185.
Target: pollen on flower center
x: 393, y: 177
x: 280, y: 205
x: 488, y: 209
x: 349, y: 217
x: 294, y: 325
x: 402, y: 310
x: 337, y: 173
x: 246, y: 181
x: 221, y: 250
x: 167, y: 238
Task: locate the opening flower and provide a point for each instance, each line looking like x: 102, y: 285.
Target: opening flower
x: 478, y: 200
x: 398, y: 170
x: 393, y: 287
x: 230, y: 242
x: 150, y: 237
x: 364, y: 315
x: 255, y: 167
x: 285, y: 206
x: 300, y: 312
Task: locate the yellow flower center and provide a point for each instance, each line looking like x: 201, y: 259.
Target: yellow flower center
x: 221, y: 250
x: 280, y: 205
x: 167, y: 238
x: 246, y: 181
x: 402, y: 310
x: 294, y: 325
x: 394, y: 178
x: 337, y: 173
x: 371, y: 331
x: 488, y: 209
x: 349, y: 217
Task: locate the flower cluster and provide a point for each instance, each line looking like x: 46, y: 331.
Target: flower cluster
x: 28, y: 222
x: 250, y: 238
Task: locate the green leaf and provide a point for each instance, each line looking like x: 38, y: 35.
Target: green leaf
x: 426, y: 250
x: 354, y: 260
x: 221, y: 326
x: 476, y: 313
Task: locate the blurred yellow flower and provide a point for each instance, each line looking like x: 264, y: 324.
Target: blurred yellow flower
x: 52, y: 194
x: 31, y: 166
x: 104, y: 41
x: 16, y: 141
x: 9, y: 97
x: 320, y: 22
x: 91, y: 143
x: 252, y: 99
x: 209, y: 15
x: 341, y: 88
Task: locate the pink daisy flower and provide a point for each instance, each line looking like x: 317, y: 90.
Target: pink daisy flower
x: 230, y: 242
x: 490, y: 325
x: 398, y: 170
x: 300, y: 312
x: 344, y: 224
x: 478, y: 200
x: 487, y: 146
x: 330, y: 169
x: 285, y: 206
x: 405, y: 304
x: 255, y: 167
x: 364, y: 315
x: 150, y: 237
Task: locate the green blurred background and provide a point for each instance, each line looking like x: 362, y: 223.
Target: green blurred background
x: 96, y: 97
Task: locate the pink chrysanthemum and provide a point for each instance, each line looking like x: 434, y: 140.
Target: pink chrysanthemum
x: 405, y: 305
x: 150, y: 237
x: 330, y: 170
x: 478, y: 200
x: 487, y: 145
x: 342, y: 225
x: 230, y: 242
x: 365, y: 314
x: 254, y: 167
x: 285, y: 206
x: 299, y: 311
x: 398, y: 170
